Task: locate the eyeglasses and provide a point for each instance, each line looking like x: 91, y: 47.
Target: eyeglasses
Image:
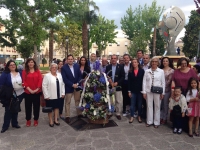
x: 154, y: 61
x: 183, y: 63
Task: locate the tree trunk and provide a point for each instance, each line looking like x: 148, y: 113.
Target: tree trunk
x: 85, y: 39
x: 154, y: 42
x: 50, y: 46
x: 35, y: 54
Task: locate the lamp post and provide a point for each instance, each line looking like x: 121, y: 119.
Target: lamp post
x: 67, y: 40
x: 88, y: 27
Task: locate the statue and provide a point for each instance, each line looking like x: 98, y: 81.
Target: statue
x: 172, y: 23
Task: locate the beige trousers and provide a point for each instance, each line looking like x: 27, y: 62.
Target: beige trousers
x: 68, y: 98
x: 118, y: 102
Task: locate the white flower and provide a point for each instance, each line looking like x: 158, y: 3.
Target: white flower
x: 105, y: 99
x: 88, y: 84
x: 107, y: 83
x: 84, y: 104
x: 94, y: 112
x: 98, y: 73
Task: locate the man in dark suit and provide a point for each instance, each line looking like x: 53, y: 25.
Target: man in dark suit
x: 126, y: 98
x: 140, y: 56
x: 71, y: 76
x: 116, y: 74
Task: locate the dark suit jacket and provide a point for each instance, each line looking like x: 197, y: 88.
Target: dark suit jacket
x: 68, y: 77
x: 135, y: 82
x: 86, y: 69
x: 119, y: 75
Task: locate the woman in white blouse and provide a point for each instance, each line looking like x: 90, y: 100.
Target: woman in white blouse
x: 53, y: 89
x: 153, y: 77
x: 12, y: 79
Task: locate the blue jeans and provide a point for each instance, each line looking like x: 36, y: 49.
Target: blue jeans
x: 136, y: 99
x: 8, y: 116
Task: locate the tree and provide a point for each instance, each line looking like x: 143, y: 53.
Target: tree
x: 138, y: 23
x: 25, y: 48
x: 73, y: 31
x: 85, y: 16
x: 190, y: 39
x: 160, y: 44
x: 31, y: 19
x: 102, y: 33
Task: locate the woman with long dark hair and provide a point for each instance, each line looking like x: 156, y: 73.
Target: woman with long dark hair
x: 84, y: 67
x: 168, y: 68
x: 135, y: 79
x: 32, y: 81
x: 11, y: 80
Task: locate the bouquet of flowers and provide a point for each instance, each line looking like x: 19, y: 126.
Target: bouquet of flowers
x: 95, y: 97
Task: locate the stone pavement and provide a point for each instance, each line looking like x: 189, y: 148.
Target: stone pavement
x: 126, y: 136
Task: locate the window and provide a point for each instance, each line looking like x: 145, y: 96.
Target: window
x: 118, y: 53
x: 110, y: 53
x: 126, y: 43
x: 110, y: 44
x: 118, y: 43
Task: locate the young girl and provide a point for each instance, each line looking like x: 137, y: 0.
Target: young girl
x: 178, y: 106
x: 194, y: 105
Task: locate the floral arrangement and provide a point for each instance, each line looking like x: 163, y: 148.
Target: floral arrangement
x: 95, y: 97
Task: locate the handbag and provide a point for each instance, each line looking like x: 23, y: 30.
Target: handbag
x: 14, y: 104
x: 155, y: 89
x: 47, y: 109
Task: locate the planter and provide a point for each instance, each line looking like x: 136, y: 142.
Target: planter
x: 99, y: 121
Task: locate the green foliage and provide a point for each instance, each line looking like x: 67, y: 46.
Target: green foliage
x: 102, y: 33
x: 9, y: 33
x: 31, y: 20
x: 160, y: 44
x: 74, y: 33
x: 44, y: 61
x: 138, y: 23
x: 25, y: 48
x: 82, y: 14
x: 190, y: 39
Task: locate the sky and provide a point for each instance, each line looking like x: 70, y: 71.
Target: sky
x: 116, y: 9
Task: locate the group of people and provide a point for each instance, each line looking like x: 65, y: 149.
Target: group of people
x: 145, y: 87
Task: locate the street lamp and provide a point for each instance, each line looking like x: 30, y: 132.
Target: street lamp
x: 88, y: 28
x: 67, y: 40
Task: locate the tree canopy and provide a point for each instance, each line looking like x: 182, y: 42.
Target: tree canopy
x: 102, y: 33
x: 191, y: 37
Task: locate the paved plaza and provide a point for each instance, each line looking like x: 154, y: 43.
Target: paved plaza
x: 126, y: 136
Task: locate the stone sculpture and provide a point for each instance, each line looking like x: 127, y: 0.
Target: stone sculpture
x: 172, y: 23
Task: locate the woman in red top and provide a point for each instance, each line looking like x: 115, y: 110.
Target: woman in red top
x: 32, y: 81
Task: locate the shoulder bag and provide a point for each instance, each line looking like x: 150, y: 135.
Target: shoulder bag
x: 156, y: 89
x: 14, y: 103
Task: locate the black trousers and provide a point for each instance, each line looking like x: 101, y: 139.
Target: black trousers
x: 61, y: 105
x: 178, y: 122
x: 32, y: 100
x: 11, y: 117
x: 126, y: 98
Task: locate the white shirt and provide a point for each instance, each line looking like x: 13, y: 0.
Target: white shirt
x: 159, y: 80
x: 194, y: 94
x: 72, y: 69
x: 126, y: 69
x: 49, y: 86
x: 17, y: 83
x: 145, y: 67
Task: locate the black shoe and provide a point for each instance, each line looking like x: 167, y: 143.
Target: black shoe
x: 17, y: 126
x: 56, y: 123
x: 3, y: 130
x: 80, y: 116
x: 118, y: 117
x: 51, y: 125
x: 67, y: 120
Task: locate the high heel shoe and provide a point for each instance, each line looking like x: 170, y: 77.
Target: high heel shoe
x: 131, y: 120
x: 56, y: 123
x: 51, y: 125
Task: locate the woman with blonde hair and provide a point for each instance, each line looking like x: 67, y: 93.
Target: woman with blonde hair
x: 153, y: 91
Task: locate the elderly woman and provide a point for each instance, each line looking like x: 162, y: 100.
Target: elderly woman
x: 53, y: 89
x: 153, y: 77
x: 11, y: 79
